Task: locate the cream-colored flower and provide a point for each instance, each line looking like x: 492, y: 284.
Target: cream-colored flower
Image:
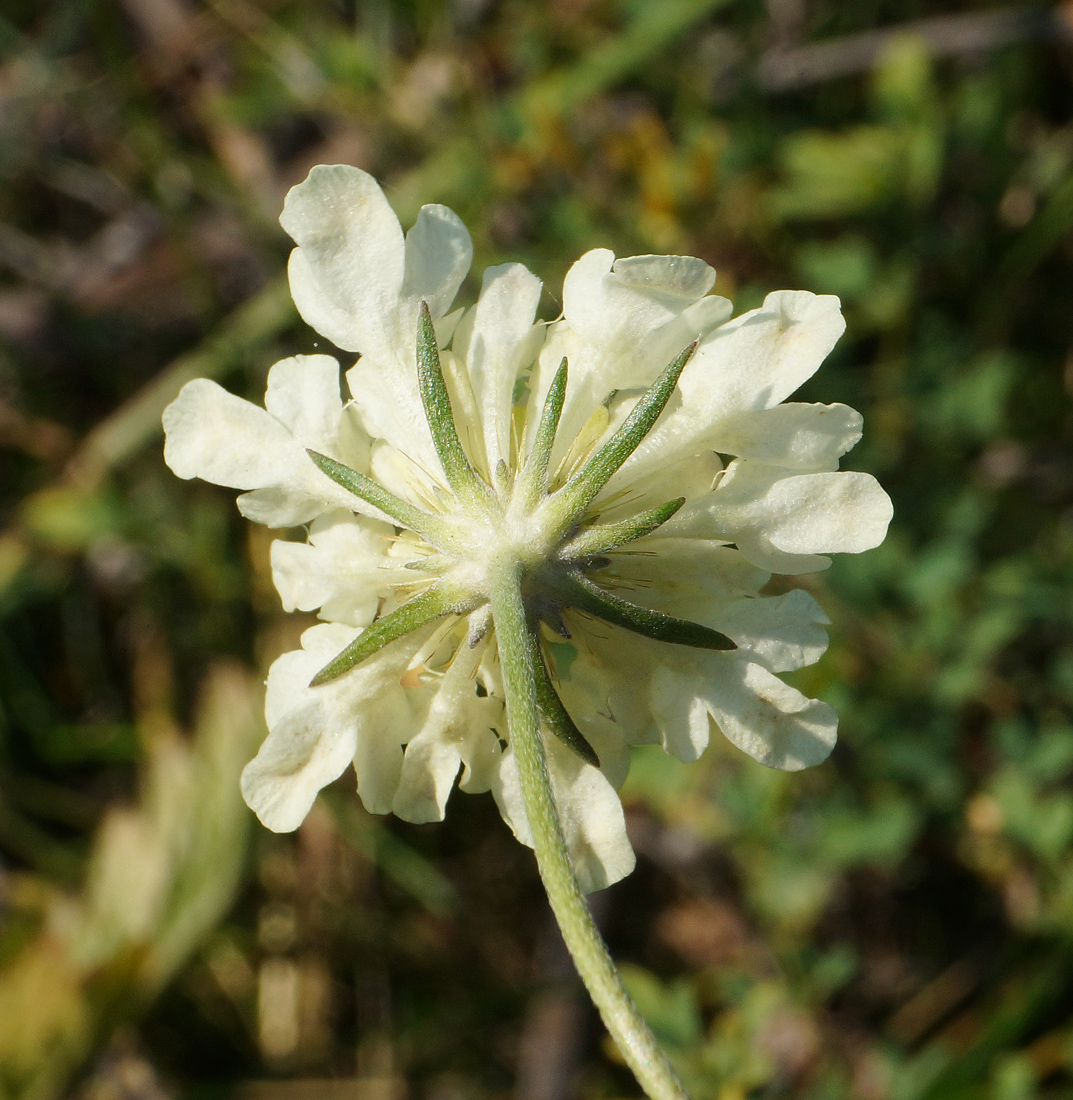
x: 466, y: 442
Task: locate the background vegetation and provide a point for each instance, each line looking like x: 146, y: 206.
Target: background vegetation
x: 895, y: 925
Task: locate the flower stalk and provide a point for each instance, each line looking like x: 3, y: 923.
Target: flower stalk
x: 519, y: 657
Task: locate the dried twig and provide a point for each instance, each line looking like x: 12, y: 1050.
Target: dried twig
x: 783, y: 69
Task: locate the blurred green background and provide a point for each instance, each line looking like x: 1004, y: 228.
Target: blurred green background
x: 894, y: 925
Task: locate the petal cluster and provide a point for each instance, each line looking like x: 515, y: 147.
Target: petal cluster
x: 424, y: 710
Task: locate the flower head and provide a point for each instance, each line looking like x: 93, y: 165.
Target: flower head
x: 586, y: 452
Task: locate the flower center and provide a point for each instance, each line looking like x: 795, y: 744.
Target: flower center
x: 539, y: 536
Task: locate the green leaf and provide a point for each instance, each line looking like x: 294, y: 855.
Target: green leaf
x: 555, y: 716
x: 460, y: 474
x: 576, y: 590
x: 579, y: 492
x: 533, y: 482
x: 435, y: 602
x: 603, y: 537
x: 429, y: 527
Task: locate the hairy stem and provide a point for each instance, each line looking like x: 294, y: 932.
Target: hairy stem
x: 518, y: 655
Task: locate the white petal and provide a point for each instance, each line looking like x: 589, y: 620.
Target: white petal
x: 388, y: 401
x: 481, y: 759
x: 640, y: 690
x: 507, y: 792
x: 438, y: 254
x: 562, y: 342
x: 583, y: 292
x: 352, y: 444
x: 682, y: 713
x: 303, y: 395
x: 464, y: 407
x: 760, y: 358
x: 315, y: 732
x: 430, y: 766
x: 309, y: 749
x: 589, y: 810
x: 610, y: 683
x: 679, y: 278
x: 699, y: 319
x: 317, y: 309
x: 343, y: 570
x: 457, y: 727
x: 799, y: 436
x: 624, y: 322
x: 843, y: 513
x: 279, y: 507
x: 622, y: 301
x: 378, y: 755
x: 497, y: 343
x: 400, y: 474
x: 771, y: 721
x: 446, y: 326
x: 603, y: 675
x: 353, y: 254
x: 287, y: 685
x: 748, y: 364
x: 211, y: 434
x: 785, y: 522
x: 780, y: 632
x: 309, y: 743
x: 682, y: 475
x: 592, y: 819
x: 691, y: 578
x: 583, y: 687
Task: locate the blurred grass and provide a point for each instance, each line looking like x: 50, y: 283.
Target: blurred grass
x: 895, y: 924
